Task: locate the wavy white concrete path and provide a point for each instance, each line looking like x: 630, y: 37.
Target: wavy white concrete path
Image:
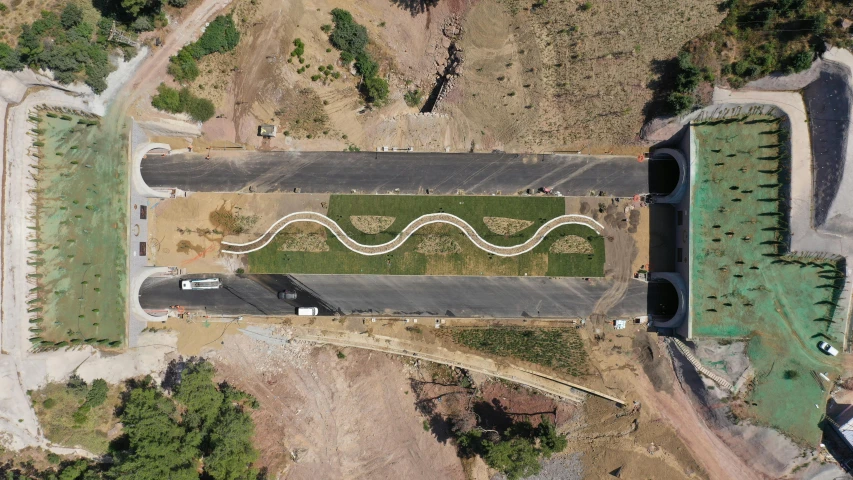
x: 411, y: 228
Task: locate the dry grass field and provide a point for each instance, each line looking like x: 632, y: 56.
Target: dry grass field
x: 559, y: 77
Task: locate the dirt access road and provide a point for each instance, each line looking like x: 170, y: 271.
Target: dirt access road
x: 153, y: 71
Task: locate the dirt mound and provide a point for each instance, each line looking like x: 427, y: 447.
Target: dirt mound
x: 371, y: 224
x: 438, y: 245
x: 572, y: 244
x: 654, y: 364
x: 304, y: 242
x: 506, y: 226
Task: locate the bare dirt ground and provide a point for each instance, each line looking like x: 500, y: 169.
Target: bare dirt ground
x: 626, y: 233
x: 364, y: 415
x: 327, y: 417
x: 181, y: 231
x: 559, y: 77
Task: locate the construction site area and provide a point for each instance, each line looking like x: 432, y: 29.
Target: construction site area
x: 490, y: 256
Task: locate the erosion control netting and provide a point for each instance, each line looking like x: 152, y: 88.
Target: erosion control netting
x: 745, y: 283
x: 79, y: 254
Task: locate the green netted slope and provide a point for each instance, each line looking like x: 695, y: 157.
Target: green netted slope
x: 744, y: 282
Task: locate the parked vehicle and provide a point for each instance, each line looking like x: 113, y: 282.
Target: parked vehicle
x: 307, y: 311
x: 827, y: 348
x: 287, y: 295
x: 201, y: 284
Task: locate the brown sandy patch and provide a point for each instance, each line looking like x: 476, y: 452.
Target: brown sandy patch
x: 572, y: 244
x: 182, y: 232
x: 371, y: 224
x: 506, y: 226
x: 350, y: 417
x: 438, y: 245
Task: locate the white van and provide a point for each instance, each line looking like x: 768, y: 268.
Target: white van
x: 307, y: 311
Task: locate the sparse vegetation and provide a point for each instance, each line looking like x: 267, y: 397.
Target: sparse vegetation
x: 182, y: 101
x: 516, y: 451
x: 75, y: 414
x: 413, y: 98
x: 73, y: 54
x: 220, y: 36
x: 231, y: 222
x: 758, y: 38
x: 165, y: 437
x: 351, y: 39
x: 557, y: 348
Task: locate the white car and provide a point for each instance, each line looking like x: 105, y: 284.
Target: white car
x: 827, y: 348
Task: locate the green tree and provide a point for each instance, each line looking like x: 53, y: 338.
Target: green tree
x: 549, y: 440
x: 680, y: 102
x: 142, y: 24
x: 74, y: 471
x: 201, y: 109
x: 98, y: 393
x: 375, y: 89
x: 183, y: 66
x: 347, y: 35
x: 199, y: 395
x: 797, y: 62
x: 9, y: 59
x: 220, y: 36
x: 136, y: 7
x: 517, y: 458
x: 178, y: 3
x: 77, y: 386
x: 365, y: 65
x: 72, y: 15
x: 688, y: 74
x: 231, y: 452
x: 158, y: 447
x: 167, y: 99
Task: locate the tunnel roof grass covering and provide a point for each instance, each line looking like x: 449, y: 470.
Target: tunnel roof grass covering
x: 746, y: 284
x: 464, y: 258
x: 80, y: 256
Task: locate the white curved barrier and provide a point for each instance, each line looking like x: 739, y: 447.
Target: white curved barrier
x: 418, y: 223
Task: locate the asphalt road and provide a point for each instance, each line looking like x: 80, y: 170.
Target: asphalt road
x: 495, y: 297
x: 828, y: 100
x: 371, y: 172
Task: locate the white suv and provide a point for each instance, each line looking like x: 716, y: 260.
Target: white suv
x: 827, y: 348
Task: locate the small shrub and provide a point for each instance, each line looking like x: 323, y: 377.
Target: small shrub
x: 790, y: 374
x: 341, y: 355
x: 49, y: 403
x: 413, y: 98
x: 300, y: 48
x: 80, y: 416
x: 240, y: 271
x: 375, y: 89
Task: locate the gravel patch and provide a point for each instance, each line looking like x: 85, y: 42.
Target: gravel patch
x: 556, y: 468
x: 506, y: 226
x: 371, y: 224
x: 572, y: 244
x: 438, y: 245
x: 304, y: 242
